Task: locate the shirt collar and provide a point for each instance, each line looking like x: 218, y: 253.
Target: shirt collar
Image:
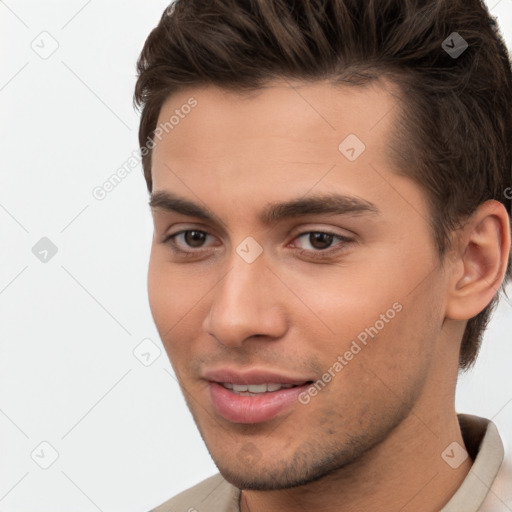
x: 484, y: 446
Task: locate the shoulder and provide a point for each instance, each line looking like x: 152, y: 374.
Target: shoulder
x: 212, y: 494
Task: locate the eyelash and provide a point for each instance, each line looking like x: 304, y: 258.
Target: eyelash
x: 315, y: 254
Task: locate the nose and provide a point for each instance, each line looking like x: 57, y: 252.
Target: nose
x: 245, y: 304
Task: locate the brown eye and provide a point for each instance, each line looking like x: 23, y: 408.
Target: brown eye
x: 320, y: 240
x: 194, y: 238
x: 321, y: 244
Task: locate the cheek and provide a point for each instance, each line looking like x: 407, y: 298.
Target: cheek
x: 398, y: 354
x: 376, y: 379
x: 161, y: 298
x: 344, y: 304
x: 178, y: 304
x: 168, y: 296
x: 385, y: 333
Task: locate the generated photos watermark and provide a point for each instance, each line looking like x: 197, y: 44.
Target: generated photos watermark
x: 100, y: 192
x: 354, y: 349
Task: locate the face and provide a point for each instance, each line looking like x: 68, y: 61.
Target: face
x: 293, y: 260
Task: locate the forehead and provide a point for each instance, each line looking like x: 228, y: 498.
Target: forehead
x: 297, y: 112
x: 282, y: 140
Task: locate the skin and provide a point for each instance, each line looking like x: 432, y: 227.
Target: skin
x: 372, y: 438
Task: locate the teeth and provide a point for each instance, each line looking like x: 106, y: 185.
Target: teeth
x: 257, y: 388
x: 250, y: 389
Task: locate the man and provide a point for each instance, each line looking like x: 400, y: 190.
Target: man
x: 330, y: 189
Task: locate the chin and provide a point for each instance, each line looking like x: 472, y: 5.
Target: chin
x: 301, y: 469
x: 251, y: 481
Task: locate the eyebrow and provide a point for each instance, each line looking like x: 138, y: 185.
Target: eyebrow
x: 334, y: 204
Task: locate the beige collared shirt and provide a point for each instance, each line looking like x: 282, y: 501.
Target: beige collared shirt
x: 486, y: 488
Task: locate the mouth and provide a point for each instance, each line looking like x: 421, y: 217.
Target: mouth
x: 258, y: 389
x: 253, y: 396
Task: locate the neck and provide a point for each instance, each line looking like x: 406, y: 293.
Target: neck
x: 405, y: 472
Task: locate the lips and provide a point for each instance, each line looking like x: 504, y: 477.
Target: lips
x: 253, y: 396
x: 253, y: 376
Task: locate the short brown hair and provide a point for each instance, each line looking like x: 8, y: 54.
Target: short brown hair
x: 456, y: 110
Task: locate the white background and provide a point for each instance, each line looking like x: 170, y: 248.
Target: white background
x: 68, y: 374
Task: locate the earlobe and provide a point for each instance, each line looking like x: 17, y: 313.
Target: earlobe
x: 484, y: 246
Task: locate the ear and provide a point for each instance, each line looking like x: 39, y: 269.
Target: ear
x: 479, y: 267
